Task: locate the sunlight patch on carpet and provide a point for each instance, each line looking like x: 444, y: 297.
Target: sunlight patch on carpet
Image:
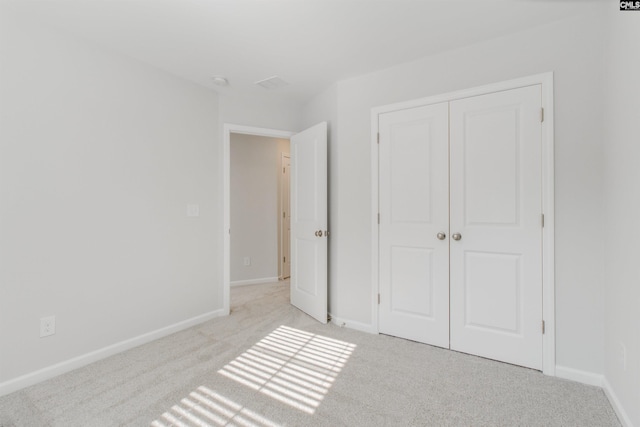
x: 207, y: 408
x: 292, y: 366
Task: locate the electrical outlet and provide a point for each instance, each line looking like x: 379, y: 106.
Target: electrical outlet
x: 47, y: 326
x: 247, y: 261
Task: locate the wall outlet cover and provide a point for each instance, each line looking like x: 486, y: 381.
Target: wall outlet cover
x: 47, y: 326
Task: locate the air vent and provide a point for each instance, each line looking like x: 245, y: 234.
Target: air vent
x: 274, y: 82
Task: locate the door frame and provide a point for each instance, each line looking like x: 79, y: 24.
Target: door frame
x: 228, y: 129
x: 548, y: 259
x: 282, y: 263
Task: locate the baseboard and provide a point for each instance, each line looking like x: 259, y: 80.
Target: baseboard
x: 579, y: 376
x: 623, y: 417
x: 88, y: 358
x: 597, y: 380
x: 255, y: 281
x: 358, y: 326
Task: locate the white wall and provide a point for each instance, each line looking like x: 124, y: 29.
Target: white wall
x: 622, y: 209
x: 99, y: 157
x: 572, y: 49
x: 265, y: 109
x: 255, y: 206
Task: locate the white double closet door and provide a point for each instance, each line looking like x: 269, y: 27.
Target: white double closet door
x: 460, y: 230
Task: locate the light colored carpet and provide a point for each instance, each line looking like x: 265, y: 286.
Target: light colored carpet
x: 268, y: 364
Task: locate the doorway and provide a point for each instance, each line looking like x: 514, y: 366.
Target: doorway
x: 309, y: 215
x: 228, y: 130
x: 257, y: 199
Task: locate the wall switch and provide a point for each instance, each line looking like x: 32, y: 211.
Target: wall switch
x: 247, y: 261
x: 47, y: 326
x: 193, y: 210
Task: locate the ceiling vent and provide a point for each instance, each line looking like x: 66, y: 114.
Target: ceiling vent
x: 274, y: 82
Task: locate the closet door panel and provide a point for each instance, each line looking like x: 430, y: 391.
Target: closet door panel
x: 496, y: 265
x: 414, y: 200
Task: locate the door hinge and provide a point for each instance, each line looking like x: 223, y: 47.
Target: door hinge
x: 541, y: 115
x: 284, y: 259
x: 543, y: 327
x: 378, y: 218
x: 378, y: 299
x: 283, y: 215
x: 378, y: 137
x: 282, y: 170
x: 229, y: 231
x: 542, y: 215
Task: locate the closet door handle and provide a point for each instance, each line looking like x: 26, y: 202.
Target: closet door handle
x: 441, y: 236
x: 456, y: 236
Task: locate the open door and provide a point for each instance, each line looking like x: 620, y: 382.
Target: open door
x: 309, y: 221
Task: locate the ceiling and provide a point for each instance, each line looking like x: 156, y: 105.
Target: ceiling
x: 308, y: 43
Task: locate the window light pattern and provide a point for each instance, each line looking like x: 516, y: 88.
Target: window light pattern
x: 292, y: 366
x: 206, y: 408
x: 289, y: 365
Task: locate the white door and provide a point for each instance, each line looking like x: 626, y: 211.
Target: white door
x: 285, y: 226
x: 414, y: 209
x: 309, y: 221
x: 496, y: 265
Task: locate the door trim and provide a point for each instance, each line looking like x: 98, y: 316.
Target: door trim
x: 281, y: 261
x: 545, y: 80
x: 228, y: 129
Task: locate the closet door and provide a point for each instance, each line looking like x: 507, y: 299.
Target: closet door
x: 496, y: 264
x: 414, y: 208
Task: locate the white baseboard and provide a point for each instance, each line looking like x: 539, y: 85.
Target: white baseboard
x: 577, y: 375
x: 358, y: 326
x: 599, y: 381
x: 255, y: 281
x: 623, y: 417
x: 85, y: 359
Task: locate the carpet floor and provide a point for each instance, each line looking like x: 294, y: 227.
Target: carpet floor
x: 268, y: 365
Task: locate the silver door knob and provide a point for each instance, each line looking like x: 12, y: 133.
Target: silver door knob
x: 456, y: 236
x: 441, y: 236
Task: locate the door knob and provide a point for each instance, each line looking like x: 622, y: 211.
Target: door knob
x: 456, y: 236
x: 318, y: 233
x: 441, y: 236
